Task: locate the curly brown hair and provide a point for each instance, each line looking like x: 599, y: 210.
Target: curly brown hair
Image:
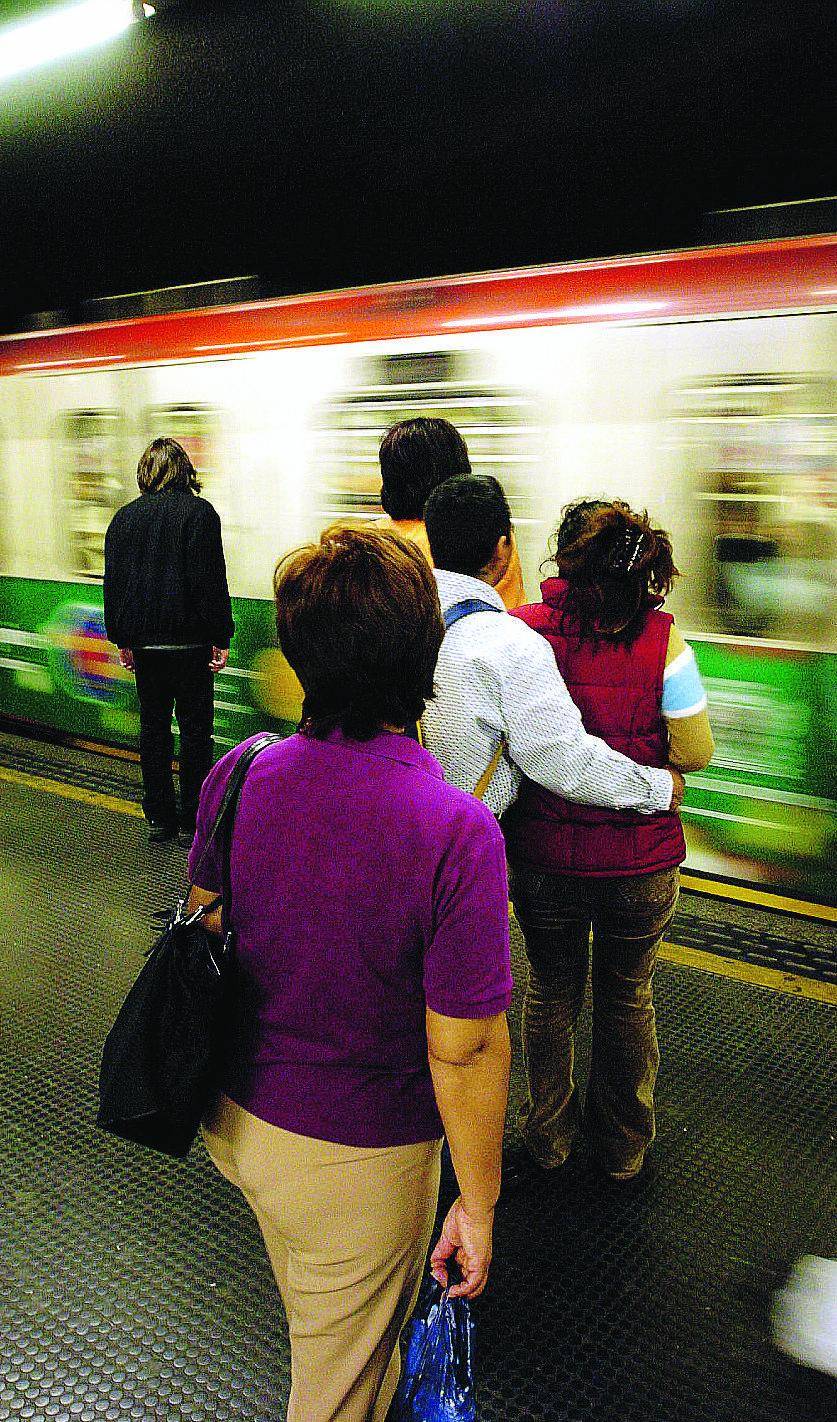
x: 357, y: 616
x: 616, y: 564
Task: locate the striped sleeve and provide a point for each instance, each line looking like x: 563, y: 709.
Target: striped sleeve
x: 690, y: 742
x: 683, y: 693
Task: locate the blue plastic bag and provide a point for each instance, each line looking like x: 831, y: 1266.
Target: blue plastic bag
x: 437, y: 1382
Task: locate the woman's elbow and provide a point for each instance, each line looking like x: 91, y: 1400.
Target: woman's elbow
x: 687, y: 764
x: 692, y: 749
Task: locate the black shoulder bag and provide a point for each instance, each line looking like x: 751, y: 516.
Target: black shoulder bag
x: 162, y: 1056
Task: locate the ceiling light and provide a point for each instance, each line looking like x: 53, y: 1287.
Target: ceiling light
x: 63, y: 32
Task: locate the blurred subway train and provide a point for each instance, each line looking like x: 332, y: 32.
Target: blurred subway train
x: 698, y: 384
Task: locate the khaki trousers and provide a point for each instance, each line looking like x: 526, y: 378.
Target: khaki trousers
x: 347, y: 1231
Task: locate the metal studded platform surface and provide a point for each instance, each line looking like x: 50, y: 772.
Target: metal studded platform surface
x: 136, y: 1287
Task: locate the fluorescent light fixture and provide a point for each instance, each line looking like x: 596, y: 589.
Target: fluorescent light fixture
x: 63, y: 32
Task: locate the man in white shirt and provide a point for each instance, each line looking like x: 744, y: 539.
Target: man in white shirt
x: 500, y: 698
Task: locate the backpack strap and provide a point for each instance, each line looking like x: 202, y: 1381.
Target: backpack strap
x: 465, y: 608
x: 450, y: 618
x: 488, y: 774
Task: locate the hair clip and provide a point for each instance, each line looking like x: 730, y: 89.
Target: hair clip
x: 636, y: 551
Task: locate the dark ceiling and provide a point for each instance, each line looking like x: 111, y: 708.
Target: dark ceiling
x: 324, y: 142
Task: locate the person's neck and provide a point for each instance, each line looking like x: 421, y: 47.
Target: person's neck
x: 481, y: 577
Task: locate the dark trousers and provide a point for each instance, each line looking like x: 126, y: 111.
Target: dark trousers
x: 178, y: 681
x: 628, y: 917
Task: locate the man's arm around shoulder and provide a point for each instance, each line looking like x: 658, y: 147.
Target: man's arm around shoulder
x: 547, y: 740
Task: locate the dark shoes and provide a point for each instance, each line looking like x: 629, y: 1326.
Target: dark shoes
x: 520, y: 1168
x: 163, y: 831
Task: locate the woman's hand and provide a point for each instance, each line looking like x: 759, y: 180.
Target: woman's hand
x: 467, y: 1236
x: 212, y: 921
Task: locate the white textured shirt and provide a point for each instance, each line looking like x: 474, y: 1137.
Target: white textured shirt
x: 496, y: 679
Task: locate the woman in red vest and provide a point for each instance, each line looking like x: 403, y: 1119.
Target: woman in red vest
x: 575, y: 866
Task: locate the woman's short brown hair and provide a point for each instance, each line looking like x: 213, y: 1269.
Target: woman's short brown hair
x: 166, y: 465
x: 358, y: 618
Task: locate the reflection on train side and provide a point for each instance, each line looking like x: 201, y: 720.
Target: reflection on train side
x: 762, y: 452
x: 91, y: 442
x: 499, y: 426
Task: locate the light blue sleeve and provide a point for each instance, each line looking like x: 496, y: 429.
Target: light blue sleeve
x: 683, y: 693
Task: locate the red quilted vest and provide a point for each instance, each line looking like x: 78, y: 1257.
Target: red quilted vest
x: 618, y: 691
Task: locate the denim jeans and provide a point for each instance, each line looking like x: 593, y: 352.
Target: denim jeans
x: 628, y: 917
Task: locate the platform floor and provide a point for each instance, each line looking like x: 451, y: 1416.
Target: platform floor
x: 136, y: 1287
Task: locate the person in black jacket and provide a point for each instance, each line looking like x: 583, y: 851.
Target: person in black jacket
x: 167, y: 609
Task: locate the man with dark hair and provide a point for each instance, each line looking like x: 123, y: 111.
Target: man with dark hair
x: 501, y: 705
x: 416, y: 456
x: 167, y: 608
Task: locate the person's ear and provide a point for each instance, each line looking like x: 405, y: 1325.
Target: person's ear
x: 496, y: 567
x: 503, y: 551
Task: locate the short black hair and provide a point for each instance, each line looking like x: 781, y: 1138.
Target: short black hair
x: 464, y: 518
x: 415, y: 456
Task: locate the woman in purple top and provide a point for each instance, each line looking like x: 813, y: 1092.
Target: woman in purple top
x: 370, y: 907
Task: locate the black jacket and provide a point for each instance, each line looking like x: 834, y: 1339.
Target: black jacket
x: 165, y: 580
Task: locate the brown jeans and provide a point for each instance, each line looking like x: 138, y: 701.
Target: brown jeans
x: 628, y: 917
x: 347, y: 1230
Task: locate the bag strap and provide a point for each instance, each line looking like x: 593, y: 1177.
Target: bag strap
x: 488, y: 774
x: 230, y: 807
x: 450, y: 618
x: 230, y: 799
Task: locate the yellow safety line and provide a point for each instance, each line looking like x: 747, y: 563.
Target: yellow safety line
x: 71, y: 792
x: 716, y: 889
x: 750, y: 973
x: 99, y: 747
x: 672, y: 952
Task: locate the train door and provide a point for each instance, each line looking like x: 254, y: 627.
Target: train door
x: 760, y: 450
x: 763, y: 455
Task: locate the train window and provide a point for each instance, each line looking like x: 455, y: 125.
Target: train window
x: 495, y: 422
x: 415, y: 368
x: 762, y: 454
x: 200, y: 430
x: 93, y: 450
